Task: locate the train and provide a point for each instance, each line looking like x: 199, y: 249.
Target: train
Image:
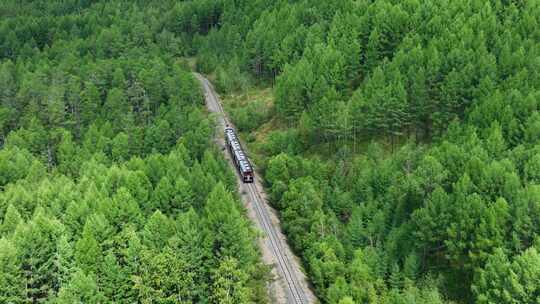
x: 240, y: 159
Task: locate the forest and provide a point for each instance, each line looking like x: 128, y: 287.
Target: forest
x: 111, y: 188
x: 401, y: 148
x: 401, y: 142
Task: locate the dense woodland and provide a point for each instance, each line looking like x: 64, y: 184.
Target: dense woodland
x: 428, y: 192
x: 428, y: 189
x: 111, y: 189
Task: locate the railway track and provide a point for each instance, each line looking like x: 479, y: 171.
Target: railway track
x: 294, y: 284
x: 295, y: 291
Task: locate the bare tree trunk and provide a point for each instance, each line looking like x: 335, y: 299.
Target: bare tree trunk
x: 49, y: 156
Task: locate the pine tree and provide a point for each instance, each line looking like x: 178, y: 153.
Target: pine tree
x: 115, y: 108
x: 189, y: 240
x: 183, y: 197
x: 395, y: 280
x: 227, y: 231
x: 64, y: 260
x: 90, y: 103
x: 8, y: 88
x: 292, y: 88
x: 165, y: 278
x: 397, y: 115
x: 532, y: 131
x: 8, y: 84
x: 337, y: 291
x: 81, y: 288
x: 325, y: 266
x: 125, y: 209
x: 527, y: 268
x: 88, y: 253
x: 302, y: 204
x: 163, y: 195
x: 344, y: 36
x: 114, y: 279
x: 130, y: 258
x: 36, y: 245
x: 139, y: 102
x: 491, y: 280
x: 11, y: 220
x: 157, y: 231
x: 68, y: 155
x: 120, y: 147
x: 495, y: 143
x: 532, y: 169
x: 411, y: 267
x: 362, y: 279
x: 373, y: 53
x: 12, y: 284
x: 200, y: 183
x: 355, y: 228
x: 229, y: 284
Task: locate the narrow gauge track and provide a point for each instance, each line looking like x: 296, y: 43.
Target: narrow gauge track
x: 296, y: 291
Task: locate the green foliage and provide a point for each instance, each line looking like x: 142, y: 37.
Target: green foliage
x: 503, y: 281
x: 231, y: 78
x: 107, y: 160
x: 165, y: 278
x: 401, y: 68
x: 110, y: 191
x: 11, y: 276
x: 230, y: 233
x: 448, y: 217
x: 80, y: 289
x: 249, y: 117
x: 229, y: 282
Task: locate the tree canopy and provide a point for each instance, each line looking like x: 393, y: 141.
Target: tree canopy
x: 401, y: 148
x: 112, y: 191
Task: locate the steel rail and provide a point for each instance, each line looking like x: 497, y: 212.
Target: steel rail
x: 295, y: 290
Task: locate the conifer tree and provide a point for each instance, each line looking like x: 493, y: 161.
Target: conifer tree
x: 81, y: 288
x: 11, y: 275
x: 229, y: 284
x: 165, y: 278
x: 88, y: 253
x: 12, y: 218
x: 64, y: 260
x: 227, y: 231
x: 36, y: 245
x: 157, y: 231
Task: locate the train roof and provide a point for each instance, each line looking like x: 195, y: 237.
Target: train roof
x: 238, y: 151
x: 245, y: 166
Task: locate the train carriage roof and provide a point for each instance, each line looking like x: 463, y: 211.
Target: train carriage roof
x: 245, y: 165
